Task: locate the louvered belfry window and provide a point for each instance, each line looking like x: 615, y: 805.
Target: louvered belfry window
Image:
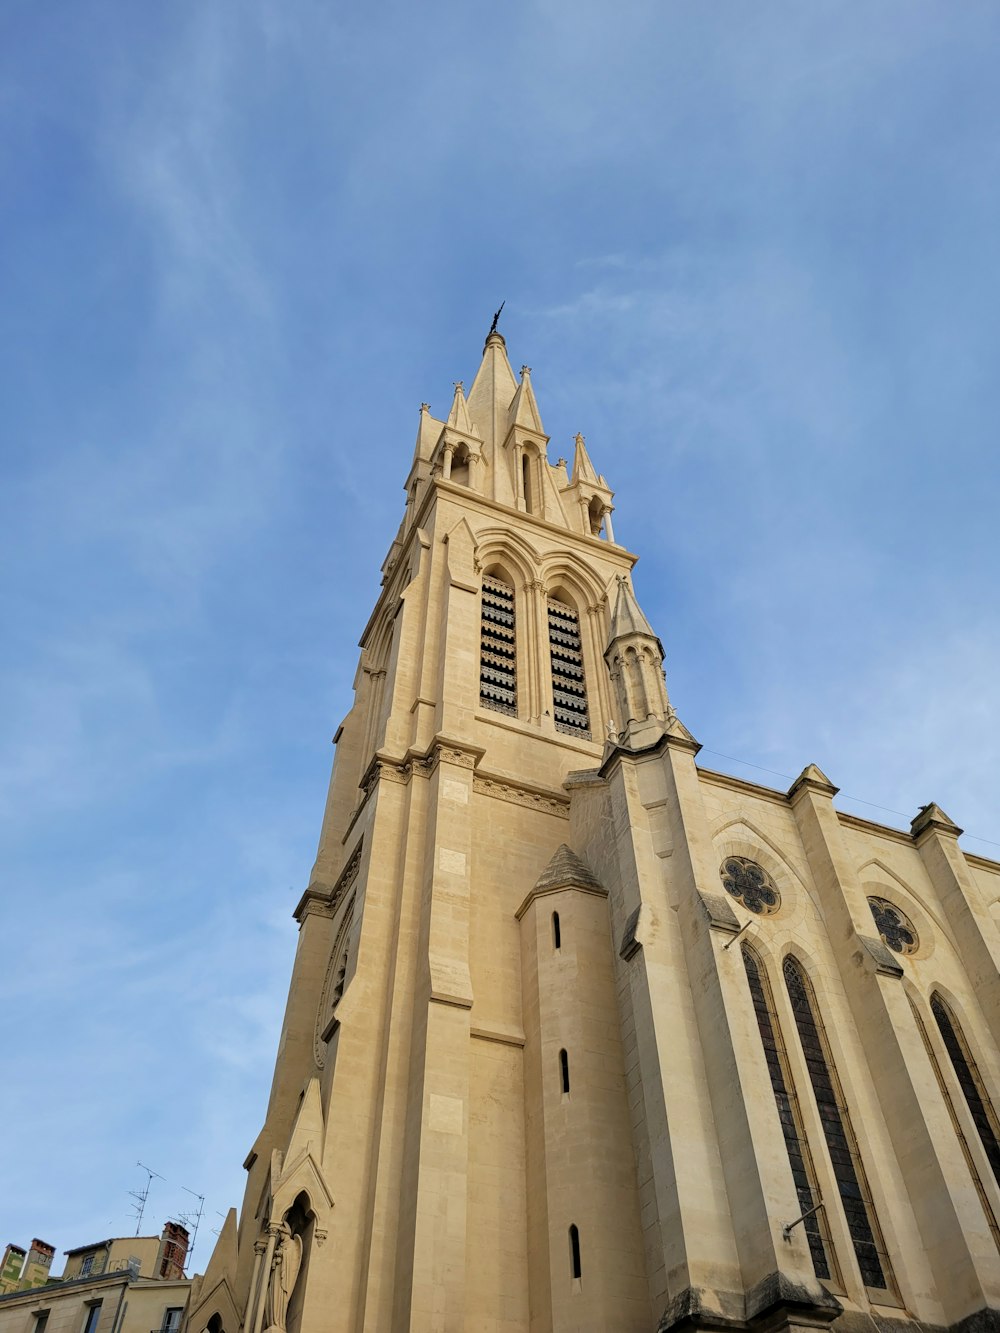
x: 498, y: 654
x: 568, y: 689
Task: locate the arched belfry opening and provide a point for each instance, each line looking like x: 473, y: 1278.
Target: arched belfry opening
x: 569, y: 685
x: 460, y: 466
x: 595, y: 512
x: 498, y: 643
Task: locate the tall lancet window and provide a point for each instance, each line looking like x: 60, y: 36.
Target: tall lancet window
x: 970, y: 1081
x: 498, y: 651
x: 792, y: 1129
x: 848, y: 1171
x: 569, y: 691
x: 949, y: 1102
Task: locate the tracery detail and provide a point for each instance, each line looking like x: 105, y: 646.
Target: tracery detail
x: 750, y: 884
x: 894, y: 926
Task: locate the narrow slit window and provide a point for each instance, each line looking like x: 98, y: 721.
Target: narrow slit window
x: 556, y: 932
x: 970, y: 1081
x: 576, y: 1268
x: 498, y: 649
x: 848, y: 1170
x: 790, y: 1115
x: 564, y: 1070
x: 526, y: 483
x: 569, y: 691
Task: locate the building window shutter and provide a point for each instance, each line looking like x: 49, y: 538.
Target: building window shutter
x: 569, y: 691
x: 498, y: 651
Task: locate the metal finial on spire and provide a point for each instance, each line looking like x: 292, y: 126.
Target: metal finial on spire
x: 496, y: 317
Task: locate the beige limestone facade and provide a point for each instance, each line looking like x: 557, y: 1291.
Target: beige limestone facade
x: 582, y: 1035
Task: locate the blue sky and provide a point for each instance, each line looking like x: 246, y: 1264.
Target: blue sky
x: 751, y: 251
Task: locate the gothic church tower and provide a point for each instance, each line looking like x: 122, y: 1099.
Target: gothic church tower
x: 582, y: 1036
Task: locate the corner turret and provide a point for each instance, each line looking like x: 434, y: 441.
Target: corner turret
x: 634, y: 655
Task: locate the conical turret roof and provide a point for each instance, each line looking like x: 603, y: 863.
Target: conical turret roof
x: 627, y: 619
x: 566, y: 868
x: 583, y: 468
x: 523, y: 410
x: 458, y: 417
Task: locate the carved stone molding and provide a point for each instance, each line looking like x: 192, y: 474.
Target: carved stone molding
x: 347, y: 877
x: 452, y: 754
x: 518, y: 795
x: 316, y: 901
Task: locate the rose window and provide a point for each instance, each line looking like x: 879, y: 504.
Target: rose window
x: 894, y: 926
x: 750, y: 884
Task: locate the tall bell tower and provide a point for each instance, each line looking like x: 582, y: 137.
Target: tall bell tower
x: 449, y: 940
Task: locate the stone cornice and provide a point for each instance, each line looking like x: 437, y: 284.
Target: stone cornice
x: 391, y: 768
x: 521, y: 793
x: 321, y: 900
x: 743, y: 785
x: 596, y: 890
x: 870, y: 826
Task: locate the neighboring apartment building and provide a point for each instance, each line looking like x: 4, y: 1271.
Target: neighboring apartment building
x: 128, y: 1284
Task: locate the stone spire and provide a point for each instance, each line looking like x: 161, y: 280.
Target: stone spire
x: 635, y: 662
x: 583, y: 468
x: 492, y: 392
x: 523, y: 410
x: 458, y: 417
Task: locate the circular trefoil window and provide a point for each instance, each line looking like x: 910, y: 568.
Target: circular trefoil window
x: 750, y: 884
x: 894, y: 926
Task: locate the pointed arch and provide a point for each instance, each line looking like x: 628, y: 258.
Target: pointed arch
x: 874, y: 875
x: 739, y: 836
x: 800, y: 1159
x: 974, y: 1090
x: 835, y: 1117
x: 953, y: 1115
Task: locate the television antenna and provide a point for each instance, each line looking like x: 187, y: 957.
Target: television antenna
x: 141, y: 1195
x: 192, y: 1220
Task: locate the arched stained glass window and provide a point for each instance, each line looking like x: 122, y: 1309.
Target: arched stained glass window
x: 796, y: 1144
x: 973, y: 1088
x: 956, y: 1123
x: 848, y: 1170
x: 498, y: 648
